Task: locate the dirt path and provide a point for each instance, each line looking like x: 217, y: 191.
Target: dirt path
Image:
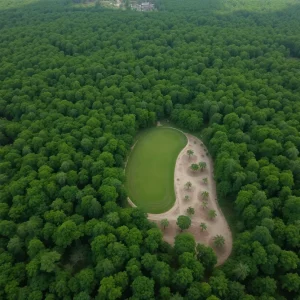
x: 182, y: 175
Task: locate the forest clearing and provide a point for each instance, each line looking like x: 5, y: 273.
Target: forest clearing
x: 150, y: 169
x: 199, y: 194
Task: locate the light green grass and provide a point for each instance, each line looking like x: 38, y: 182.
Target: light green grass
x: 150, y: 169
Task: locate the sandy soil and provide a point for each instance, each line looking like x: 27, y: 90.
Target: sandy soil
x: 182, y: 175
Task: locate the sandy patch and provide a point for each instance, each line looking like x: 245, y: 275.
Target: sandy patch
x: 183, y: 174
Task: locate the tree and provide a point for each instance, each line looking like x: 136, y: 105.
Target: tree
x: 205, y: 195
x: 219, y: 241
x: 105, y: 267
x: 82, y: 296
x: 165, y: 293
x: 190, y: 153
x: 288, y: 260
x: 49, y: 260
x: 199, y: 290
x: 219, y: 285
x: 206, y: 256
x: 183, y: 222
x: 291, y: 282
x: 291, y: 209
x: 241, y: 271
x: 263, y: 285
x: 189, y: 261
x: 188, y: 185
x: 148, y: 260
x: 15, y: 245
x: 133, y: 268
x: 184, y: 242
x: 212, y: 297
x: 7, y: 228
x: 262, y: 235
x: 133, y: 237
x: 203, y: 227
x: 186, y: 197
x: 164, y: 223
x: 142, y: 288
x: 153, y: 239
x: 66, y: 234
x: 190, y: 211
x: 236, y: 290
x: 112, y: 218
x: 86, y: 280
x: 194, y: 167
x: 204, y: 204
x: 202, y: 165
x: 108, y: 193
x: 205, y: 180
x: 108, y: 289
x: 161, y: 273
x: 34, y: 247
x: 212, y: 214
x: 182, y: 278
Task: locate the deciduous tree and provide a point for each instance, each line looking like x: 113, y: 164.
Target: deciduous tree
x: 164, y: 223
x: 183, y: 222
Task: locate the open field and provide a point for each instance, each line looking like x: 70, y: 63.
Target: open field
x: 150, y: 169
x: 183, y: 174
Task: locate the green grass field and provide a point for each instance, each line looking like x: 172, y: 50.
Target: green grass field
x: 150, y: 169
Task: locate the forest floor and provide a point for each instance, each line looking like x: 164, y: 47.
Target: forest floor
x: 183, y: 174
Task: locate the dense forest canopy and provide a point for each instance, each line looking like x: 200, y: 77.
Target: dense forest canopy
x: 76, y: 85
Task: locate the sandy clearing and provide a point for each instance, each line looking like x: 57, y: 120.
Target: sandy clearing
x: 183, y: 174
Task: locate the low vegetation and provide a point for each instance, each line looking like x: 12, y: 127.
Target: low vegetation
x: 150, y: 169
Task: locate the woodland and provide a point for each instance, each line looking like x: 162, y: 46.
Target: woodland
x: 76, y: 86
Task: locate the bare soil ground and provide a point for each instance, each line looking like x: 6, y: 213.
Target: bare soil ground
x: 183, y: 174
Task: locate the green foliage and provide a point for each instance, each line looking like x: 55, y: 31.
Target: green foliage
x: 66, y: 234
x: 263, y: 285
x: 219, y: 285
x: 194, y: 167
x: 182, y: 278
x: 204, y: 204
x: 204, y: 195
x: 189, y: 260
x: 143, y: 288
x: 184, y: 242
x: 190, y: 153
x: 183, y: 222
x: 212, y: 214
x: 190, y: 211
x: 76, y: 85
x: 203, y: 226
x: 241, y: 271
x: 206, y: 256
x: 202, y: 165
x: 291, y: 282
x: 48, y: 260
x: 164, y: 223
x: 188, y: 185
x: 219, y: 241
